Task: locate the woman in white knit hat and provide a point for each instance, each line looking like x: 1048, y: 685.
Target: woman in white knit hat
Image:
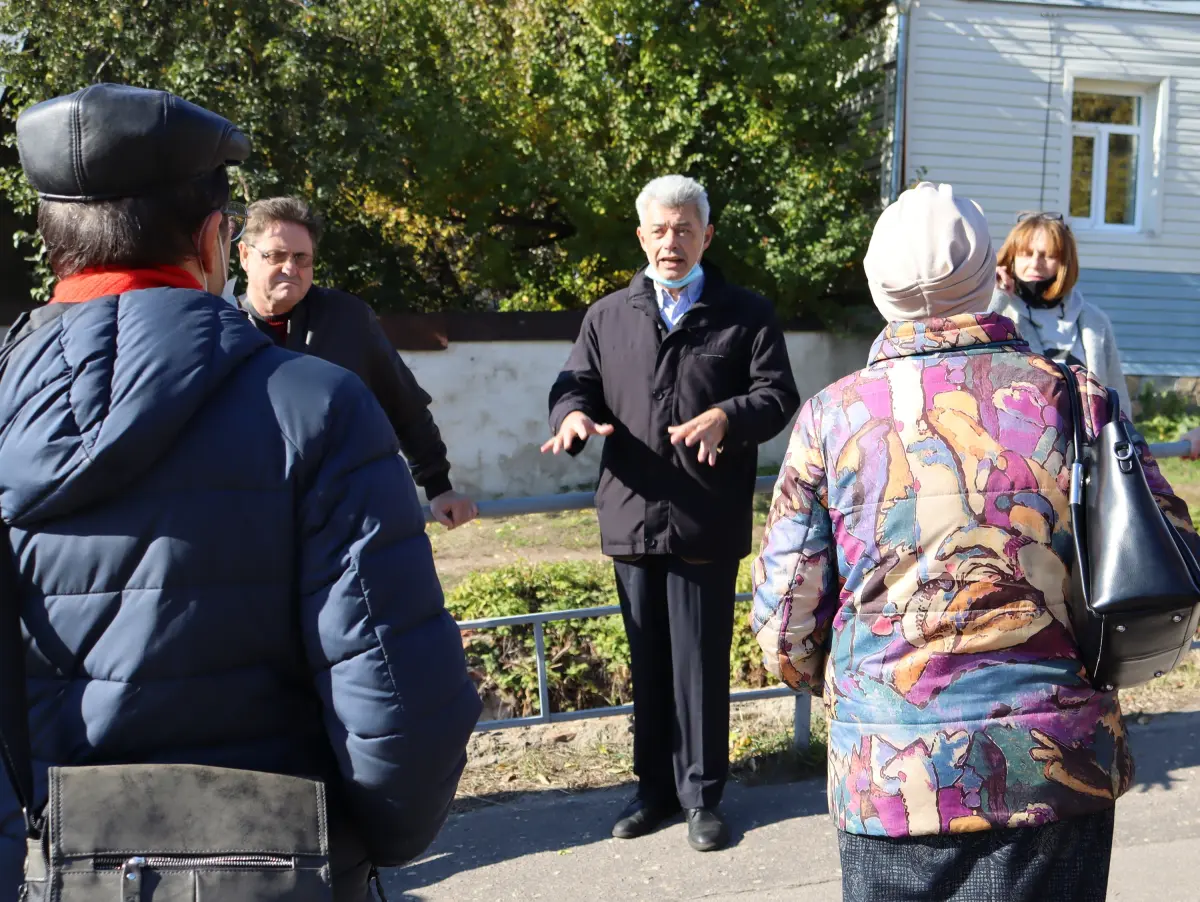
x: 913, y: 573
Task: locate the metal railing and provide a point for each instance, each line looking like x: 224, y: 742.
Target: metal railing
x: 570, y: 501
x: 1170, y: 449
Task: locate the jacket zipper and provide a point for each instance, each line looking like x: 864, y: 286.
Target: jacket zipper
x: 187, y: 862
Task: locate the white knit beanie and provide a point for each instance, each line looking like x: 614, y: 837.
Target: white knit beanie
x: 930, y: 256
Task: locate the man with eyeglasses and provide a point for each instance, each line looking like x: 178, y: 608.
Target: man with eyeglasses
x: 220, y: 558
x: 277, y: 254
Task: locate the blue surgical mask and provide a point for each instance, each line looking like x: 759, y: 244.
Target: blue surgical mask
x: 693, y: 274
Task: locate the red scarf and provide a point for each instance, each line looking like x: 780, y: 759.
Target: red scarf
x: 103, y: 281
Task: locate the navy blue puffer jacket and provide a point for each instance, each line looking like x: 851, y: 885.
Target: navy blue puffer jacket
x: 223, y: 561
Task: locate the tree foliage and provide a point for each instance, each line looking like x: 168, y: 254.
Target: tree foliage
x: 477, y: 154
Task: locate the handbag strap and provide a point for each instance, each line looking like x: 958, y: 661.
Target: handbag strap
x: 1076, y: 499
x: 1077, y: 430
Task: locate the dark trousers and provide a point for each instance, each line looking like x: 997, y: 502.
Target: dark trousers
x: 1065, y: 861
x: 679, y: 619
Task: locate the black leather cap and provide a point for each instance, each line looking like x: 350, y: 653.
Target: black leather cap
x: 110, y: 141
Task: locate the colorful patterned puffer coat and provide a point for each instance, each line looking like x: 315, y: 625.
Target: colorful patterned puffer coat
x: 914, y: 572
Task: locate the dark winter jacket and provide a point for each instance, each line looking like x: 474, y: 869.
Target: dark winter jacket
x: 343, y: 329
x: 222, y: 561
x: 627, y: 369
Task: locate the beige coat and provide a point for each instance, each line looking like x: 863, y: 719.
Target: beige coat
x: 1095, y: 334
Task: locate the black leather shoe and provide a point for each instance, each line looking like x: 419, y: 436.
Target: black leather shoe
x: 641, y: 817
x: 706, y: 831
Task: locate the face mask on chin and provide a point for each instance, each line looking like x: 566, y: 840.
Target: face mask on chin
x: 1034, y: 293
x: 692, y: 275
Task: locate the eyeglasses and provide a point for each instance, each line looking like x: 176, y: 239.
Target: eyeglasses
x: 280, y: 258
x: 1035, y: 214
x: 235, y: 214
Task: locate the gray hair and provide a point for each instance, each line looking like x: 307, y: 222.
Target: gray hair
x: 262, y: 214
x: 674, y: 192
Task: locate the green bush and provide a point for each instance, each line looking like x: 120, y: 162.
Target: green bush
x: 745, y: 658
x: 587, y: 661
x: 472, y: 155
x: 1165, y: 415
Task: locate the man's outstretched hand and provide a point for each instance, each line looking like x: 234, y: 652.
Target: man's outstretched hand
x: 707, y: 430
x: 576, y: 425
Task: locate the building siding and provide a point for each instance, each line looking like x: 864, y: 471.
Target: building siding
x: 1155, y: 315
x: 982, y: 78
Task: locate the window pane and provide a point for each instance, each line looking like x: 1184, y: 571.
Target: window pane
x: 1120, y: 196
x: 1082, y: 151
x: 1112, y: 109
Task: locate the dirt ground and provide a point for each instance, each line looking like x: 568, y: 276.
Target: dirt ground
x: 537, y: 538
x: 589, y: 754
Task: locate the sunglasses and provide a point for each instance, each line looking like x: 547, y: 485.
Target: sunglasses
x: 280, y: 258
x: 1046, y: 215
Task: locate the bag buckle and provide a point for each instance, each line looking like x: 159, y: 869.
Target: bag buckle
x: 1076, y: 497
x: 131, y: 879
x: 1124, y: 453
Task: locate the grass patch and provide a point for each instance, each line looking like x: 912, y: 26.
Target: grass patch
x: 490, y: 544
x: 766, y: 755
x: 1184, y: 477
x: 1165, y: 416
x: 587, y: 660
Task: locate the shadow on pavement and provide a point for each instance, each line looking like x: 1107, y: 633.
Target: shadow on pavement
x: 558, y: 823
x: 555, y: 822
x: 1166, y: 743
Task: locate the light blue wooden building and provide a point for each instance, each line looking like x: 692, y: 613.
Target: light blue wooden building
x: 1088, y: 107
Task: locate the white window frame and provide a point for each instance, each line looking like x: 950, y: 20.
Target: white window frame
x: 1154, y: 85
x: 1099, y: 133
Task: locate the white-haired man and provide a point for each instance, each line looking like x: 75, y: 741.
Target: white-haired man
x: 684, y: 375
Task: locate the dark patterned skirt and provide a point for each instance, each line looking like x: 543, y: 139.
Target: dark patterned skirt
x: 1061, y: 862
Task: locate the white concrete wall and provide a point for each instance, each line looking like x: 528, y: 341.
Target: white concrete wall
x: 490, y: 401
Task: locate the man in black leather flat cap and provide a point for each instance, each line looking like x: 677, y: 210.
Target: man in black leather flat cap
x: 197, y: 517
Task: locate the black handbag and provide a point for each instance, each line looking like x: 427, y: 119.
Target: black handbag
x: 1135, y: 583
x: 154, y: 832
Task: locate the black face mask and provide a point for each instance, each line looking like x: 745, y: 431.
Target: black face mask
x: 1034, y: 293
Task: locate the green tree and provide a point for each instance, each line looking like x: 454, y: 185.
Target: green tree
x: 474, y: 154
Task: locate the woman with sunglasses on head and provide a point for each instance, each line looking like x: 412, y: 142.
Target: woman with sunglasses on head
x: 1036, y: 274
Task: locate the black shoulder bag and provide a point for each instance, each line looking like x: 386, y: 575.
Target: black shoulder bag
x: 147, y: 832
x: 1135, y: 584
